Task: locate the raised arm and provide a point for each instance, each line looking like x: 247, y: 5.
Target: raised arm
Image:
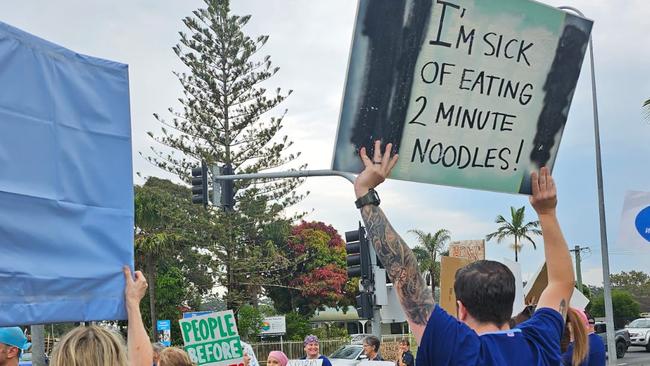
x: 560, y: 286
x: 414, y: 296
x: 139, y: 350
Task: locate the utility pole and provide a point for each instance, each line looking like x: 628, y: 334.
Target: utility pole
x: 38, y: 345
x: 576, y: 252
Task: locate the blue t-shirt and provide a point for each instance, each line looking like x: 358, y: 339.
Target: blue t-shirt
x: 596, y: 356
x: 447, y: 341
x: 326, y: 361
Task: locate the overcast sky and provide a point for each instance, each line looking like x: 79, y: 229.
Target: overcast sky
x: 310, y: 40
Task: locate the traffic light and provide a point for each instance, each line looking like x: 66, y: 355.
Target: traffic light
x: 227, y: 189
x: 200, y: 184
x: 358, y: 250
x: 365, y: 305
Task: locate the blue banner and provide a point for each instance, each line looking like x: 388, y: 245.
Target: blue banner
x: 66, y: 184
x: 164, y: 335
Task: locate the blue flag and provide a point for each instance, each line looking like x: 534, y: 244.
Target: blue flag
x: 66, y: 183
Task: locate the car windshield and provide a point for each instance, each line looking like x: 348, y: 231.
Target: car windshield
x: 640, y: 323
x: 346, y: 352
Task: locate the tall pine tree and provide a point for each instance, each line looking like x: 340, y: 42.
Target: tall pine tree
x: 223, y: 121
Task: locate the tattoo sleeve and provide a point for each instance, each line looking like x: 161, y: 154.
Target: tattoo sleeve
x: 401, y: 265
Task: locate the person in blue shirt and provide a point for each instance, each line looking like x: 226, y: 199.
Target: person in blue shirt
x: 312, y: 350
x: 485, y: 290
x: 593, y: 352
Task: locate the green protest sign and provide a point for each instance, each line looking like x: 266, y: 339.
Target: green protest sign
x: 213, y: 339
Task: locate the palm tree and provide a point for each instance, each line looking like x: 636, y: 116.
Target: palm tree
x: 430, y: 246
x: 515, y: 228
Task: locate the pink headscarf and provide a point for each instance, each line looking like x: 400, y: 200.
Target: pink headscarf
x: 280, y: 356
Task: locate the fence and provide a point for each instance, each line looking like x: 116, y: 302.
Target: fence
x: 295, y: 349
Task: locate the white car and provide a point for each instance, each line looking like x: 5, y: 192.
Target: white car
x: 348, y: 355
x: 640, y: 333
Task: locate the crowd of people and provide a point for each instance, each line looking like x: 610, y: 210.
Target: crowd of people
x: 481, y: 332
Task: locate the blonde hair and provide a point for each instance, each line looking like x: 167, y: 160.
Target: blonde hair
x: 90, y: 346
x: 174, y: 356
x: 580, y: 337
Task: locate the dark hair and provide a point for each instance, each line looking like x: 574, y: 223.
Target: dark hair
x: 487, y: 290
x: 405, y: 341
x: 372, y: 341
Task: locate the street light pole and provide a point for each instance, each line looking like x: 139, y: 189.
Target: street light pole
x: 609, y: 309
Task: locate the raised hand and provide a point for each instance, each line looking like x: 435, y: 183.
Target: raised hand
x: 544, y: 198
x: 376, y: 170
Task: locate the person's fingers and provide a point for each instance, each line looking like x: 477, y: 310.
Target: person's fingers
x: 392, y: 162
x: 377, y: 153
x: 386, y: 158
x: 534, y: 180
x: 364, y: 157
x: 127, y: 274
x: 543, y: 174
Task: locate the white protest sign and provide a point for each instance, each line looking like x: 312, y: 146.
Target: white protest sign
x: 314, y: 362
x: 274, y: 325
x: 518, y: 305
x: 213, y: 339
x: 634, y: 229
x: 470, y: 93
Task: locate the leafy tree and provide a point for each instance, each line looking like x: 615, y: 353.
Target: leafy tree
x: 636, y: 283
x: 223, y: 121
x: 249, y: 322
x: 314, y: 270
x: 429, y: 247
x: 515, y: 228
x: 164, y: 233
x: 298, y: 326
x: 625, y: 307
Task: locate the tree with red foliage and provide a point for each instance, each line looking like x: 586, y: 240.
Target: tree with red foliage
x: 317, y: 275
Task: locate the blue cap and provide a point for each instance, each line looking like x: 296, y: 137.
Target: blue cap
x: 14, y: 336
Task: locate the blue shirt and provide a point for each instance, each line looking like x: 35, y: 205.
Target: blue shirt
x: 447, y: 341
x: 326, y: 361
x: 596, y: 356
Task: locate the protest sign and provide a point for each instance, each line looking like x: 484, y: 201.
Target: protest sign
x: 448, y: 268
x: 473, y: 250
x: 471, y: 93
x: 212, y: 339
x: 164, y: 332
x: 634, y: 229
x: 536, y: 285
x: 314, y: 362
x: 66, y: 183
x: 518, y: 305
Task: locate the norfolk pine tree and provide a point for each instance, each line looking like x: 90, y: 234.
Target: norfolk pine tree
x: 223, y: 121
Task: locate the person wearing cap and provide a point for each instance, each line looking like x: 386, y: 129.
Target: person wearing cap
x: 277, y: 358
x: 12, y: 343
x: 312, y: 350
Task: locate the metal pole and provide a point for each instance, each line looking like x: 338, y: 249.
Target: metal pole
x: 38, y: 345
x: 609, y: 310
x: 290, y: 174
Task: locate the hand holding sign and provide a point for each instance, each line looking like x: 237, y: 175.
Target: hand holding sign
x: 376, y: 170
x: 544, y: 198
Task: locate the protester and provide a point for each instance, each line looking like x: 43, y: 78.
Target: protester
x: 12, y: 343
x: 371, y: 348
x: 277, y: 358
x: 404, y: 355
x: 157, y: 348
x: 174, y: 356
x: 97, y: 346
x: 312, y: 350
x: 484, y: 290
x: 577, y: 350
x: 597, y: 353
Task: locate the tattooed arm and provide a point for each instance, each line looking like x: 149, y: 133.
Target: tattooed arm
x: 558, y: 292
x: 414, y: 296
